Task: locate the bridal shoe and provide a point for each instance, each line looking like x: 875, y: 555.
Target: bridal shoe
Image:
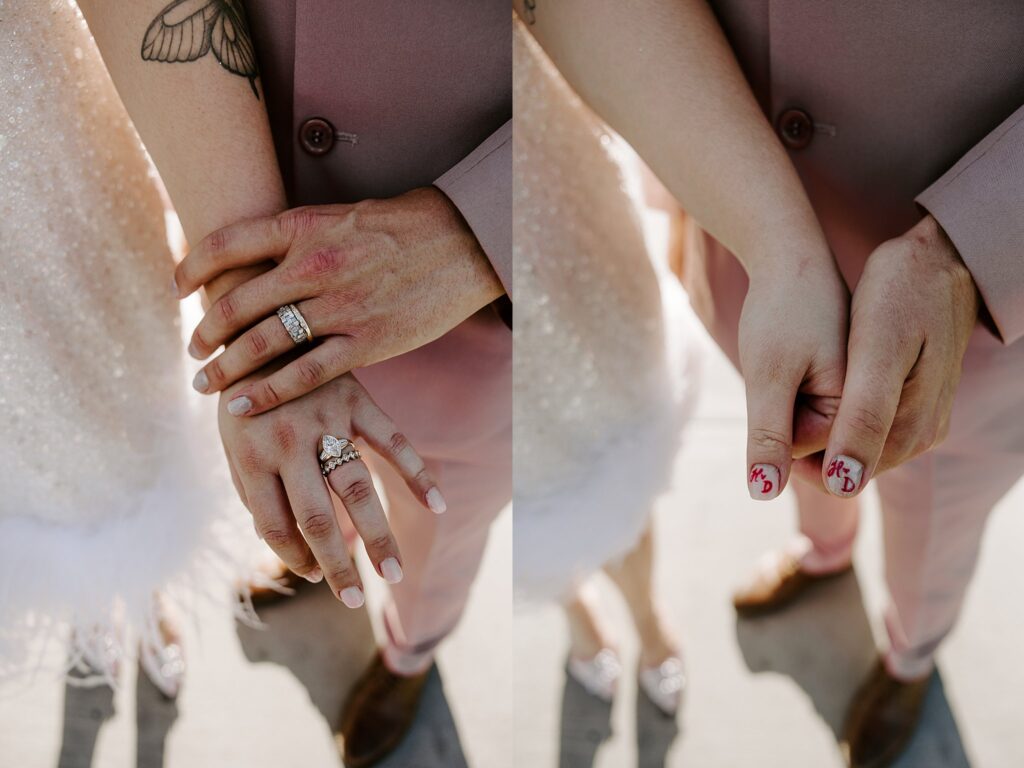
x: 164, y: 666
x: 664, y: 684
x: 599, y: 675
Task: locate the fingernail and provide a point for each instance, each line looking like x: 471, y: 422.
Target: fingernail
x: 436, y: 502
x: 352, y: 597
x: 315, y: 576
x: 764, y: 482
x: 200, y: 382
x: 240, y: 406
x: 174, y: 288
x: 194, y: 351
x: 391, y: 570
x: 844, y: 475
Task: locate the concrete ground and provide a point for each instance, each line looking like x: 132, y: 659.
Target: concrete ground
x: 268, y: 698
x: 771, y: 692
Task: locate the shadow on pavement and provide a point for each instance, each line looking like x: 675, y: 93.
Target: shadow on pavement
x: 655, y: 733
x: 824, y: 643
x: 85, y: 712
x: 327, y: 647
x: 154, y: 716
x: 586, y: 725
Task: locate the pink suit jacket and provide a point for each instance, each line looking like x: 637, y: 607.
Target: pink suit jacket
x: 419, y: 92
x: 912, y: 106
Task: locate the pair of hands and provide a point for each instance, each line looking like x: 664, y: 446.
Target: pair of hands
x: 839, y: 390
x: 373, y: 280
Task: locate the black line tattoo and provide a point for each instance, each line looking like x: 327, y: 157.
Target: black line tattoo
x: 186, y: 30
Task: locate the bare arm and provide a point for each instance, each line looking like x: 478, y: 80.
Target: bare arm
x: 203, y: 124
x: 661, y: 73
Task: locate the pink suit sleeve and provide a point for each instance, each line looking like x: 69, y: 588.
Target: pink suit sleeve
x: 480, y: 186
x: 980, y: 204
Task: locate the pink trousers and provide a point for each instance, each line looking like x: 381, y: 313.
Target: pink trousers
x: 453, y: 399
x: 934, y: 507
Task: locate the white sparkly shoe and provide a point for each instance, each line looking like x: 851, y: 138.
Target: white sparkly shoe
x: 600, y: 675
x: 164, y: 666
x: 664, y: 684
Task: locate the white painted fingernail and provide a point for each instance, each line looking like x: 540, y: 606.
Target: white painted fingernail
x: 763, y: 482
x: 315, y: 576
x: 352, y: 597
x: 200, y: 382
x: 844, y: 475
x: 240, y: 406
x: 436, y: 502
x: 194, y: 350
x: 391, y: 570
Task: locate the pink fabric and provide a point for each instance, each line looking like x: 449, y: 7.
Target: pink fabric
x: 453, y: 400
x: 423, y: 86
x: 904, y: 108
x: 910, y: 101
x: 427, y: 88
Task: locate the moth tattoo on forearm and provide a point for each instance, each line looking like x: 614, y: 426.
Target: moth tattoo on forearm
x: 186, y: 30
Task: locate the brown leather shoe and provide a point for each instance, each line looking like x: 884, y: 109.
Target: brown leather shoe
x: 882, y: 718
x: 777, y: 585
x: 378, y: 714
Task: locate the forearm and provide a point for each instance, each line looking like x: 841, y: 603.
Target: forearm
x: 202, y: 124
x: 661, y: 73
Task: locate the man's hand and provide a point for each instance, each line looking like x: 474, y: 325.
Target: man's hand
x: 372, y: 280
x: 912, y: 316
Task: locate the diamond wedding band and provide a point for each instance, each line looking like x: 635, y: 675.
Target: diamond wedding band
x: 295, y: 324
x: 335, y: 451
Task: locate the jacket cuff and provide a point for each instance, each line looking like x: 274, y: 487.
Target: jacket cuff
x: 480, y: 186
x: 979, y: 202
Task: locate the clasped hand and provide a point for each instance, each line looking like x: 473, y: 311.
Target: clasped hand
x: 848, y: 405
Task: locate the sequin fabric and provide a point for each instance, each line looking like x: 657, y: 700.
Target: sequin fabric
x: 599, y: 386
x: 90, y: 350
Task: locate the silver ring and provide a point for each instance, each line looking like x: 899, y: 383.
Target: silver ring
x: 335, y: 451
x: 295, y: 324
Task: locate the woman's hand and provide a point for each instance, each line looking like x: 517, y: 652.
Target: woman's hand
x: 372, y: 280
x: 913, y: 313
x: 274, y: 461
x: 792, y: 345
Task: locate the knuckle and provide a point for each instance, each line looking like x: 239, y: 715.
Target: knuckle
x: 284, y: 436
x: 310, y: 371
x: 226, y: 309
x: 423, y: 478
x: 249, y: 459
x: 317, y: 524
x: 322, y: 261
x: 357, y: 492
x: 378, y: 542
x: 256, y: 344
x: 868, y: 422
x: 215, y: 372
x: 217, y: 242
x: 342, y: 574
x: 268, y: 394
x: 767, y: 439
x: 398, y: 443
x: 275, y: 537
x: 298, y: 221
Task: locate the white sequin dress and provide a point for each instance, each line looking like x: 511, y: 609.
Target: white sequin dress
x: 105, y: 481
x: 604, y: 342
